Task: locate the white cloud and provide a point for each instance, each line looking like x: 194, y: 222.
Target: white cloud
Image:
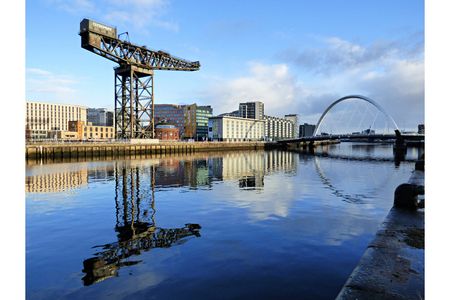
x: 389, y: 74
x: 272, y: 84
x: 44, y: 84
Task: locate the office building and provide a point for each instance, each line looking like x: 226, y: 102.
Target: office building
x: 171, y: 113
x: 191, y: 120
x: 306, y: 130
x: 41, y: 118
x: 203, y: 113
x: 233, y: 129
x: 252, y: 110
x: 100, y: 117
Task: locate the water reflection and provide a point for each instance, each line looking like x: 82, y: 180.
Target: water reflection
x: 135, y: 225
x: 376, y: 182
x: 319, y: 212
x: 56, y: 182
x: 197, y: 171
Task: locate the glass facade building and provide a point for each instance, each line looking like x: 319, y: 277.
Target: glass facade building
x: 203, y: 113
x: 191, y: 120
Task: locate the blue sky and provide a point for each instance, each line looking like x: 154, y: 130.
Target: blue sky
x: 295, y: 56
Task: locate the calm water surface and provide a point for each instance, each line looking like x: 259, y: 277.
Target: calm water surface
x: 231, y: 225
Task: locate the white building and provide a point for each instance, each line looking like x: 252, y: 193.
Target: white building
x: 294, y: 119
x: 41, y: 118
x: 278, y: 128
x: 233, y: 129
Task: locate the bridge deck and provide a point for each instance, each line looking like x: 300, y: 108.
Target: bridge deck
x: 406, y: 137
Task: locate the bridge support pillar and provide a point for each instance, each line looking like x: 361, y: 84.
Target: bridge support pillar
x: 311, y: 147
x: 399, y: 147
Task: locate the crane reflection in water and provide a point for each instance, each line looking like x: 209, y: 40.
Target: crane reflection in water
x: 135, y: 225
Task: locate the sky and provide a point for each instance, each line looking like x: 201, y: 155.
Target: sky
x: 295, y: 56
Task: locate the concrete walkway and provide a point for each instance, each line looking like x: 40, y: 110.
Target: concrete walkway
x: 393, y: 265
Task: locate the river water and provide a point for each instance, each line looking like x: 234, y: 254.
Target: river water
x: 229, y: 225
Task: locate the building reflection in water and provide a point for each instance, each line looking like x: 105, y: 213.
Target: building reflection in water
x: 56, y: 182
x: 135, y: 184
x: 135, y: 225
x: 193, y: 171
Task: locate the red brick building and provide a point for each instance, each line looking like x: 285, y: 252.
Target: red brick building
x: 167, y: 132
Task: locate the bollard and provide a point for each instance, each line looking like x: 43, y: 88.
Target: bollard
x: 420, y: 164
x: 406, y: 196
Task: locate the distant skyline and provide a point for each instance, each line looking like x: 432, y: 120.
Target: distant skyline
x: 296, y: 57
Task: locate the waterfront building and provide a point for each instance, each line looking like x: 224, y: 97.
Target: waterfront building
x: 276, y: 128
x: 252, y: 110
x: 294, y: 119
x: 227, y: 128
x: 203, y: 113
x: 172, y: 113
x: 87, y: 131
x: 167, y: 132
x: 191, y: 120
x: 306, y: 130
x: 41, y: 118
x: 100, y: 117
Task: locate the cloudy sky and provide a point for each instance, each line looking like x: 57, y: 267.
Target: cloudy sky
x: 295, y: 56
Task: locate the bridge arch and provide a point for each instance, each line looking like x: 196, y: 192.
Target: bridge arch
x: 353, y: 97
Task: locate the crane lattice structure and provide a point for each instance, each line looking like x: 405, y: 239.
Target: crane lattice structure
x: 134, y: 101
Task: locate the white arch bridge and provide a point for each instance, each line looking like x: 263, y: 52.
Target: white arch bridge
x: 399, y: 138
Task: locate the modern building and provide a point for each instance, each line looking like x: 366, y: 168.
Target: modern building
x: 252, y: 110
x: 306, y: 130
x: 167, y: 132
x: 191, y: 120
x: 91, y: 132
x: 294, y: 119
x: 276, y: 128
x: 100, y: 117
x: 203, y: 113
x: 41, y: 118
x: 171, y: 113
x: 227, y: 128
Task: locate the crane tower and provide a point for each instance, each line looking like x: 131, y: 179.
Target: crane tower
x: 133, y: 81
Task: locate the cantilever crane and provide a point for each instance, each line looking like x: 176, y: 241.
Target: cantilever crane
x: 134, y: 106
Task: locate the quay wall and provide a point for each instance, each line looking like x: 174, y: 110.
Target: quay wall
x: 91, y: 150
x: 392, y: 266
